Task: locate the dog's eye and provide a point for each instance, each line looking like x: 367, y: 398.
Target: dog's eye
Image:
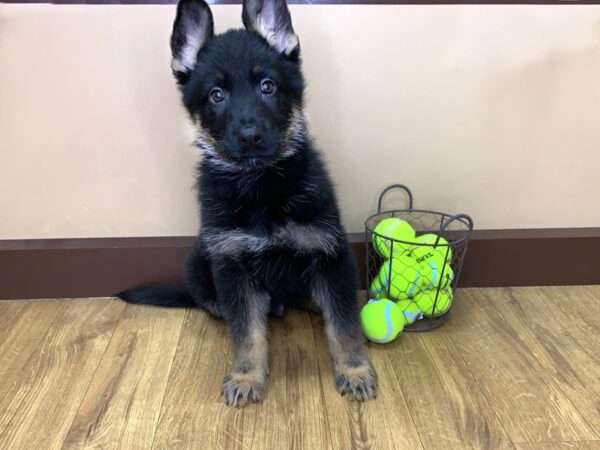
x: 267, y: 87
x: 216, y: 95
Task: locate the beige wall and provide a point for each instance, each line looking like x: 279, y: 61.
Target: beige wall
x: 488, y: 110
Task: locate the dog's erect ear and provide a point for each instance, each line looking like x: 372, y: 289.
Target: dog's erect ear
x: 192, y: 28
x: 271, y: 19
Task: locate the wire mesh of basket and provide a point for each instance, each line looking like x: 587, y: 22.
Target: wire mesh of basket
x: 420, y: 274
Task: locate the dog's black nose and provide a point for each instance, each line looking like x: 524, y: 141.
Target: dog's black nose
x: 249, y: 136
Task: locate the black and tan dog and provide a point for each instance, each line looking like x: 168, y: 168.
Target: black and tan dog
x: 271, y: 235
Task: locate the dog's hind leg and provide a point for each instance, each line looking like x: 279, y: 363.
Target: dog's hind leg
x: 246, y: 309
x: 199, y: 280
x: 334, y: 291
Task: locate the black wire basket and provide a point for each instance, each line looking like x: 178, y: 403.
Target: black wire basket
x: 420, y: 273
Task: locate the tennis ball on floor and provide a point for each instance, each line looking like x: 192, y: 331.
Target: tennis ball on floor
x: 396, y: 229
x: 432, y: 307
x: 410, y: 310
x: 381, y: 320
x: 399, y: 278
x: 428, y: 243
x: 432, y: 276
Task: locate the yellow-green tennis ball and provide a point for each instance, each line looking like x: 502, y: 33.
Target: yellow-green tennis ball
x: 436, y: 275
x: 423, y: 254
x: 381, y: 320
x: 399, y: 278
x: 410, y: 310
x: 432, y: 308
x: 429, y: 240
x: 396, y: 229
x: 377, y: 290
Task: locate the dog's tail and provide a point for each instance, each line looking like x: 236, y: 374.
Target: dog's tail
x: 159, y: 295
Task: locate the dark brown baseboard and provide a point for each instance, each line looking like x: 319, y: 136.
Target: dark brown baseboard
x: 51, y: 268
x: 533, y: 257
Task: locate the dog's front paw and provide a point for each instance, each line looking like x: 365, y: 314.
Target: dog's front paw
x: 360, y: 382
x: 242, y: 388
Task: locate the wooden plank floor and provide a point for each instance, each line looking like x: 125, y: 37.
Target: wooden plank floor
x: 513, y: 368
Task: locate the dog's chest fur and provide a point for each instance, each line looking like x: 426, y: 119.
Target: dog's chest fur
x: 288, y: 208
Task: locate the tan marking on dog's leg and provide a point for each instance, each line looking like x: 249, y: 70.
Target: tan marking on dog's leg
x: 354, y: 373
x: 247, y: 380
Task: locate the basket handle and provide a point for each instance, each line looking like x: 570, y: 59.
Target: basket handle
x: 461, y: 217
x: 395, y: 186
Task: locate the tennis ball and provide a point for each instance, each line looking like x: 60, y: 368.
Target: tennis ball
x: 428, y: 241
x: 432, y: 308
x: 399, y: 278
x: 381, y: 320
x: 424, y: 252
x: 396, y: 229
x: 411, y: 311
x: 431, y: 273
x: 377, y: 290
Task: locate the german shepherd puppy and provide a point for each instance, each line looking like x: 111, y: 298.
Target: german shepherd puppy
x: 270, y: 232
